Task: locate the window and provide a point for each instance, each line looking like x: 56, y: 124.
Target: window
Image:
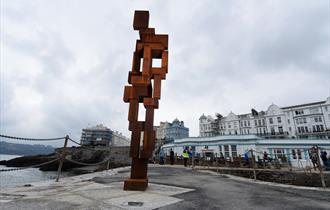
x: 255, y: 121
x: 279, y: 120
x: 302, y: 129
x: 299, y: 153
x: 226, y: 150
x: 279, y: 153
x: 299, y: 112
x: 233, y: 151
x: 270, y: 120
x: 294, y: 155
x: 306, y: 129
x: 259, y: 121
x: 321, y: 128
x: 290, y: 129
x: 248, y: 123
x: 245, y: 123
x: 288, y: 121
x: 272, y: 130
x: 206, y: 147
x: 263, y: 122
x: 280, y: 130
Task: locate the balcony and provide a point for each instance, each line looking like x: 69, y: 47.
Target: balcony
x: 315, y: 134
x: 274, y: 135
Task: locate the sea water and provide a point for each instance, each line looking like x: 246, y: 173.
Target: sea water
x: 25, y: 176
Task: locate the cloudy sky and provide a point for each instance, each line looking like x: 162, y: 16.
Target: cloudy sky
x: 64, y: 63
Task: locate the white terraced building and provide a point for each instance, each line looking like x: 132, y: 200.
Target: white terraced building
x: 310, y: 120
x: 230, y: 146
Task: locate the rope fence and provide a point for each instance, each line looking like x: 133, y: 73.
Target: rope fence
x: 33, y: 166
x: 31, y: 139
x: 88, y: 164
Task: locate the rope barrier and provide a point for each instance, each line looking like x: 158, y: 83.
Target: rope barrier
x: 31, y: 139
x: 33, y: 166
x: 88, y: 164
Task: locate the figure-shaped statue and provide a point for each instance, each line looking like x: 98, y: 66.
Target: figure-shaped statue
x: 142, y: 90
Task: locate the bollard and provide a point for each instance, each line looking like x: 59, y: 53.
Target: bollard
x: 253, y: 165
x: 63, y: 154
x: 193, y: 161
x: 320, y: 168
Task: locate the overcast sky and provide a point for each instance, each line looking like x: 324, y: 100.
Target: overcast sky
x: 64, y: 63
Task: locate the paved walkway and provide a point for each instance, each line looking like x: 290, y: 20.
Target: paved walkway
x: 171, y: 188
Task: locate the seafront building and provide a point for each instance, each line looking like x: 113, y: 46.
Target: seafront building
x: 167, y: 132
x: 100, y: 135
x: 231, y: 146
x: 311, y: 120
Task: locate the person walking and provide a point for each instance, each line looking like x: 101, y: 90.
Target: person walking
x: 172, y: 157
x: 192, y: 156
x: 161, y: 157
x: 313, y: 156
x: 185, y: 155
x: 325, y: 160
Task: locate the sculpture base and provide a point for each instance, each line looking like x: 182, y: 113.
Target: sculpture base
x: 136, y: 184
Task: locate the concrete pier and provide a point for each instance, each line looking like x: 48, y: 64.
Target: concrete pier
x: 171, y: 187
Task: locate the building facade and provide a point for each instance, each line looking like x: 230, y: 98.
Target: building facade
x: 166, y: 132
x: 310, y: 120
x: 296, y: 151
x: 100, y: 135
x: 118, y: 139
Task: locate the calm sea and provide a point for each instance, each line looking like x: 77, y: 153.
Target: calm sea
x: 26, y: 176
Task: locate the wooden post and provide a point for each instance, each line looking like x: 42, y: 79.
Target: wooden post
x: 108, y: 164
x: 320, y: 168
x: 63, y: 154
x: 253, y: 165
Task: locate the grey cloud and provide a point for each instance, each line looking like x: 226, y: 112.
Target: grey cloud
x: 224, y: 56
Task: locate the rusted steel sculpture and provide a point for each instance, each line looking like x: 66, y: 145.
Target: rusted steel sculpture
x: 144, y: 88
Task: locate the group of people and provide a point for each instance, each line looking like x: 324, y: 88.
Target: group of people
x: 314, y: 153
x: 187, y: 153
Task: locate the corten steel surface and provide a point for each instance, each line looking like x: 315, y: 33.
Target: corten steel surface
x: 145, y: 88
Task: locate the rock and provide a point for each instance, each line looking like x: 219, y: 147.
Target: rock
x: 118, y: 157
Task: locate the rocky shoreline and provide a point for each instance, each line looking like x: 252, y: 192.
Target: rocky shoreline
x: 118, y: 158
